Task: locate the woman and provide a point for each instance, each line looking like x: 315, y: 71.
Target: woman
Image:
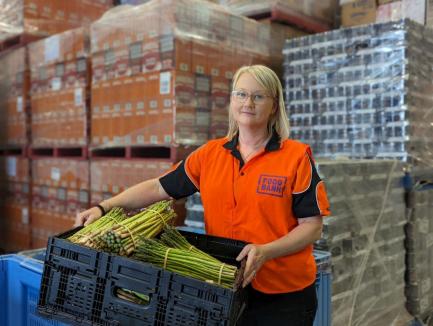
x: 257, y: 186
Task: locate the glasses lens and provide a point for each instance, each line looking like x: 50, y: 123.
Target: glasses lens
x: 242, y: 96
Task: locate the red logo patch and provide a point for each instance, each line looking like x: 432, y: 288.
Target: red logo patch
x: 271, y: 185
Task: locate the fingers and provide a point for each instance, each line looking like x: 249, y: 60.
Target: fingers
x: 250, y: 268
x: 249, y: 279
x: 87, y: 217
x: 90, y: 219
x: 243, y: 253
x: 79, y: 219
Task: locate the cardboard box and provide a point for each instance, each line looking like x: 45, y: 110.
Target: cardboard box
x: 153, y: 67
x: 394, y: 11
x: 60, y: 78
x: 383, y: 2
x: 358, y: 12
x: 14, y: 82
x: 47, y: 17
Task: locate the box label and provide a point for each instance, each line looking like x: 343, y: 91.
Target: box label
x: 164, y: 82
x: 55, y: 174
x: 52, y: 48
x: 56, y: 84
x: 78, y: 96
x: 11, y: 167
x: 25, y: 215
x: 19, y: 104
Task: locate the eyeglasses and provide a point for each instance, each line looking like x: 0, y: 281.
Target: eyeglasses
x: 242, y: 96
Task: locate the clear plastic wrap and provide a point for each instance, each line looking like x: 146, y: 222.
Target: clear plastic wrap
x: 132, y: 2
x: 14, y: 85
x: 110, y: 177
x: 161, y: 71
x: 194, y: 212
x: 14, y: 169
x: 363, y: 92
x: 419, y: 246
x: 15, y: 222
x: 365, y: 235
x: 60, y: 87
x: 14, y: 203
x: 397, y: 10
x: 429, y: 14
x: 323, y: 11
x: 47, y: 17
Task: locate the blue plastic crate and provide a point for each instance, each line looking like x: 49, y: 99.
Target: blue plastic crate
x: 323, y: 288
x: 20, y: 278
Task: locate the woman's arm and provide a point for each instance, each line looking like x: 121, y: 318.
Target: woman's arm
x: 307, y: 232
x: 141, y: 195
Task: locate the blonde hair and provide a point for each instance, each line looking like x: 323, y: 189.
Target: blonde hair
x: 267, y: 78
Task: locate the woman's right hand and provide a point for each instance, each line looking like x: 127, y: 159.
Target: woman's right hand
x: 88, y: 216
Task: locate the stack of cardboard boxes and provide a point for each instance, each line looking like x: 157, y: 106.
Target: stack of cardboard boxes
x: 47, y: 17
x: 60, y: 189
x: 360, y: 12
x: 14, y: 85
x: 60, y: 75
x: 15, y: 203
x: 60, y: 92
x: 161, y: 71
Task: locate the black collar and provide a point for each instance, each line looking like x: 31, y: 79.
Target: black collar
x: 272, y: 145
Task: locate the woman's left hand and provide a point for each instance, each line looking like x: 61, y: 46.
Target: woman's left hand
x: 256, y: 257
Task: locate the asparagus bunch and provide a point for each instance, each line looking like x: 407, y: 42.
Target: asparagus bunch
x: 123, y: 237
x: 132, y: 296
x: 186, y: 262
x: 89, y: 235
x: 172, y: 238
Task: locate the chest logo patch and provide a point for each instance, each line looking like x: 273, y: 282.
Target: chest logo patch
x: 271, y: 185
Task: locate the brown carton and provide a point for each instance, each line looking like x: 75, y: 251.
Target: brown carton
x: 358, y: 12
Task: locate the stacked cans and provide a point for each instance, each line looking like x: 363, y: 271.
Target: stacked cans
x: 363, y: 92
x: 419, y: 251
x: 194, y: 211
x: 365, y: 236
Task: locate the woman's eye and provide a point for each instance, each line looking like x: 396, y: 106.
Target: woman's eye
x: 259, y: 97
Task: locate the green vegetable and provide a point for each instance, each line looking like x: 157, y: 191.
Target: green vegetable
x: 187, y: 262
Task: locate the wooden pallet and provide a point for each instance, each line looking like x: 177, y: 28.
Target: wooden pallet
x: 293, y: 18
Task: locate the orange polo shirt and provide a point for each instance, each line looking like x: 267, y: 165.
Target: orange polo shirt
x: 257, y: 202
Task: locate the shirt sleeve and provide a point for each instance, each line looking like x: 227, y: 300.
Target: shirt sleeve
x: 308, y: 193
x: 184, y: 179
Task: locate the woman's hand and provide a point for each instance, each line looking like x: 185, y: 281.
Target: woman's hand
x: 88, y: 216
x: 256, y: 257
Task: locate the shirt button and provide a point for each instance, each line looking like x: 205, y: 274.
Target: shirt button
x: 242, y: 173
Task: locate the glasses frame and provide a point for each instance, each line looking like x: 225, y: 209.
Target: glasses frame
x: 249, y: 95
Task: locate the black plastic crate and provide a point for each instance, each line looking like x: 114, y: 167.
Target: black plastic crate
x: 192, y: 302
x: 79, y: 286
x: 73, y: 281
x: 140, y: 277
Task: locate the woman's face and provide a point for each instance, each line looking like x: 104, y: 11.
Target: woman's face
x: 250, y: 104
